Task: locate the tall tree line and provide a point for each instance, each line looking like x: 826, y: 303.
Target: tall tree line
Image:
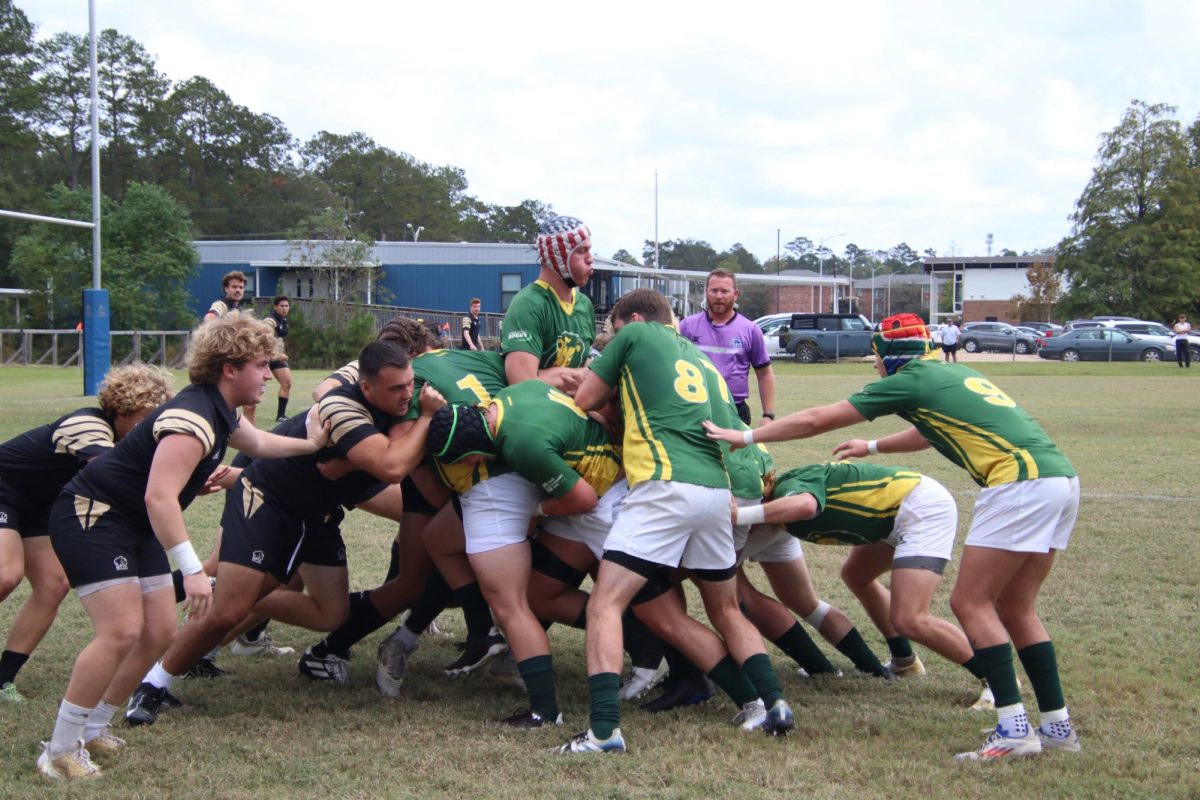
x: 237, y: 172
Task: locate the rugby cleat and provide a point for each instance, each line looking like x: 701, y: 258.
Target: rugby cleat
x: 331, y: 668
x: 640, y: 681
x: 907, y: 667
x: 586, y: 742
x: 393, y: 665
x: 987, y: 700
x: 676, y: 694
x: 997, y: 746
x: 529, y: 720
x: 752, y: 716
x: 10, y: 694
x: 72, y: 765
x: 780, y: 719
x: 204, y: 668
x: 105, y: 744
x: 147, y: 703
x: 262, y: 646
x: 1069, y: 744
x: 477, y: 654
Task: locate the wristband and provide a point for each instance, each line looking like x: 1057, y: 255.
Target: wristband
x: 748, y: 436
x: 750, y: 515
x: 184, y: 557
x: 768, y: 415
x: 873, y: 447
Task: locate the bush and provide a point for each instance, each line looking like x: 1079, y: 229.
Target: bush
x: 310, y: 347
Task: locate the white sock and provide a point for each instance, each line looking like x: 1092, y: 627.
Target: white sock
x: 68, y: 728
x: 1056, y: 723
x: 159, y: 677
x: 1013, y: 722
x: 100, y: 718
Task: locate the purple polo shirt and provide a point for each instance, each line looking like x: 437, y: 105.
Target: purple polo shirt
x: 733, y: 347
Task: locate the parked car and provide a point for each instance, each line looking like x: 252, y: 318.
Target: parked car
x: 775, y: 328
x: 1046, y: 328
x: 813, y: 337
x: 1101, y: 344
x: 1156, y: 332
x: 998, y: 336
x: 1079, y: 324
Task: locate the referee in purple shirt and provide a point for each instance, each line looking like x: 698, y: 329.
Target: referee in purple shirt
x: 733, y: 342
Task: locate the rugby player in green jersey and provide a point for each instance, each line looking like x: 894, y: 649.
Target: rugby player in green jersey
x: 559, y: 462
x: 893, y: 519
x: 1024, y: 514
x: 548, y: 330
x: 674, y: 515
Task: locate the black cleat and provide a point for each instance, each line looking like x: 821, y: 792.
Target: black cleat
x: 528, y: 719
x: 677, y: 694
x: 147, y: 701
x: 477, y: 654
x: 204, y: 668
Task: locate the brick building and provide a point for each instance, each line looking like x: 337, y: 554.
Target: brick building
x: 983, y: 286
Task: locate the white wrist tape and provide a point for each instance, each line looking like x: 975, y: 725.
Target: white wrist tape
x: 183, y: 556
x: 873, y: 447
x: 748, y: 436
x: 751, y: 515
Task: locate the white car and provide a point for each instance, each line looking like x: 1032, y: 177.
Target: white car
x: 775, y: 328
x: 1155, y: 332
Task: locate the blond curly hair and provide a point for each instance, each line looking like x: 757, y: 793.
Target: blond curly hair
x: 234, y: 339
x: 134, y: 388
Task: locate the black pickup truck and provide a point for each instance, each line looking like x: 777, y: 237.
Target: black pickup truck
x: 815, y: 337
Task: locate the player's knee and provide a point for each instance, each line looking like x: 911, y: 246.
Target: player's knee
x: 909, y: 624
x: 51, y: 590
x: 10, y: 579
x: 854, y: 579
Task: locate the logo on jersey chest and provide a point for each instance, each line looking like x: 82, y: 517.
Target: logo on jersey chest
x: 567, y: 349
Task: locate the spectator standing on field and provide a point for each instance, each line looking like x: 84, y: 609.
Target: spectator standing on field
x: 950, y: 334
x: 1183, y: 353
x: 733, y: 343
x: 471, y: 328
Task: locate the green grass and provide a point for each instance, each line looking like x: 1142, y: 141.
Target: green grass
x: 1122, y: 604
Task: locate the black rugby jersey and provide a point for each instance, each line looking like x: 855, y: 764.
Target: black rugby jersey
x: 295, y: 486
x: 280, y: 324
x: 223, y: 305
x: 39, y: 462
x: 118, y: 477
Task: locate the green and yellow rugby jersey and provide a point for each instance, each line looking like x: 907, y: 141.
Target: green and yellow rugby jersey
x: 968, y: 419
x: 461, y: 376
x: 549, y: 441
x: 559, y: 334
x: 858, y: 501
x: 747, y: 466
x: 665, y: 398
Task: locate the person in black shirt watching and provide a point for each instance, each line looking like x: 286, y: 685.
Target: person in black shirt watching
x: 471, y: 327
x: 34, y: 467
x: 278, y: 319
x: 119, y: 522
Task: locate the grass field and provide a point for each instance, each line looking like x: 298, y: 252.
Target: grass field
x: 1123, y: 605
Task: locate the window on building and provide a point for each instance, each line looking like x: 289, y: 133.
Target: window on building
x: 510, y: 284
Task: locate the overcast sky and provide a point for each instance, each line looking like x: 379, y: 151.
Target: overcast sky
x: 932, y: 123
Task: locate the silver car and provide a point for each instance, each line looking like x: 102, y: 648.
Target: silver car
x: 1000, y: 336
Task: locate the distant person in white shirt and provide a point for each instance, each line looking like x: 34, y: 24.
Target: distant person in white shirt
x: 950, y: 334
x: 1183, y: 350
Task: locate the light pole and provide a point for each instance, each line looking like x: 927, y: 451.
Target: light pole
x: 821, y: 261
x: 873, y: 303
x: 416, y: 232
x: 777, y: 265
